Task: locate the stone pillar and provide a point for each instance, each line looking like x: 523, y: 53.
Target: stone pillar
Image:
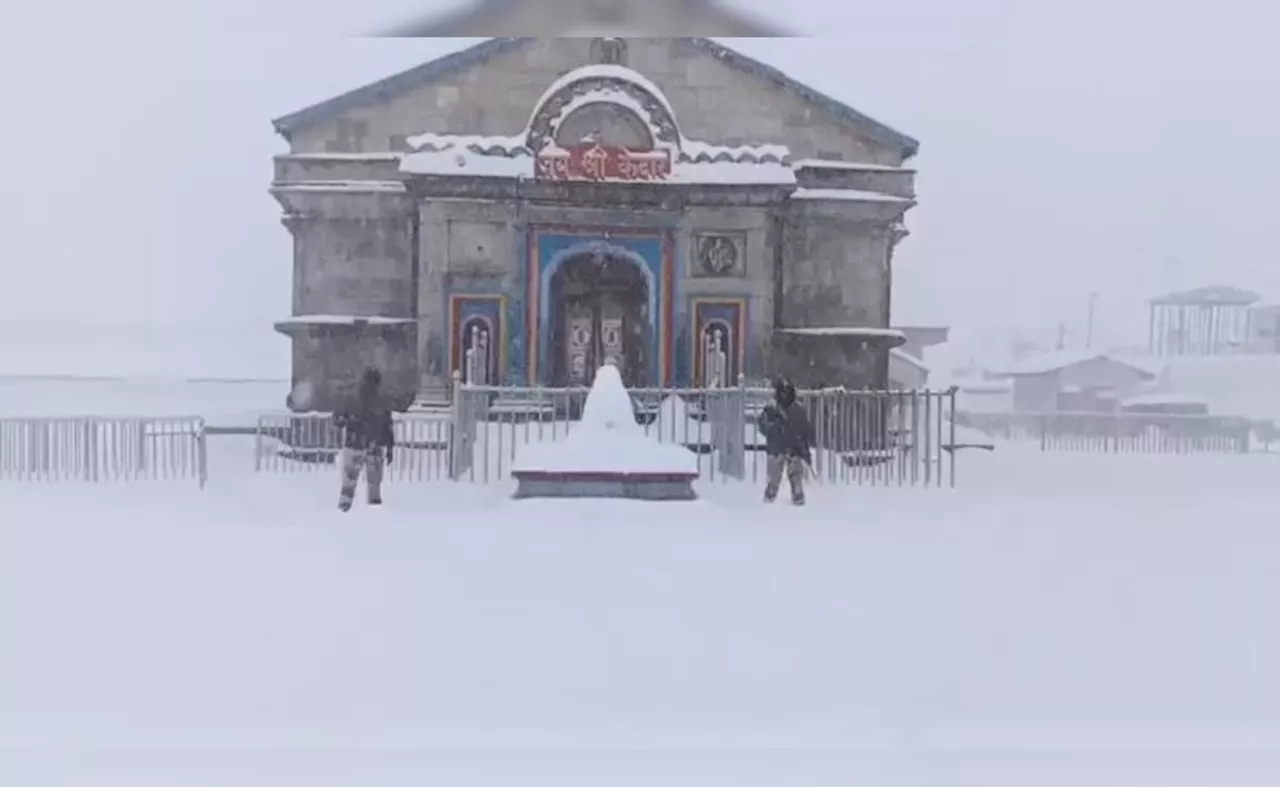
x: 433, y: 341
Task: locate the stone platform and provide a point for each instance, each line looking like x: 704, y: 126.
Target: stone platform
x: 606, y: 455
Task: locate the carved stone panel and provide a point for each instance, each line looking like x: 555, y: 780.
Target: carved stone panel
x: 479, y: 246
x: 719, y: 255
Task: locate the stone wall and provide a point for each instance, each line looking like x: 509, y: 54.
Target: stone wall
x: 835, y: 267
x: 465, y: 247
x: 750, y: 280
x: 820, y: 361
x: 333, y: 358
x: 353, y: 255
x: 353, y: 251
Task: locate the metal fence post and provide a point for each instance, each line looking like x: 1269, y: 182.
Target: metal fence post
x: 90, y: 449
x: 736, y: 443
x: 202, y: 453
x: 955, y: 451
x: 460, y: 442
x: 258, y: 444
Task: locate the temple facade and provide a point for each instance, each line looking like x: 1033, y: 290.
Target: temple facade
x: 545, y: 205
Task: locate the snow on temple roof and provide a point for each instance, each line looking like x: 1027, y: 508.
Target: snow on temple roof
x: 472, y: 142
x: 852, y: 166
x: 605, y: 94
x: 368, y: 186
x: 605, y: 71
x: 342, y: 319
x: 464, y: 163
x: 468, y: 156
x: 688, y: 161
x: 695, y: 150
x: 853, y: 195
x: 373, y: 155
x: 507, y: 157
x: 729, y: 173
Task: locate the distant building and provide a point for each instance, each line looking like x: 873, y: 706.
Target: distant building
x: 907, y: 369
x: 1073, y: 381
x: 1204, y: 321
x: 589, y: 18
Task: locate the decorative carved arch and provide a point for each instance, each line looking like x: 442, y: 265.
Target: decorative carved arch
x: 653, y: 109
x: 605, y: 123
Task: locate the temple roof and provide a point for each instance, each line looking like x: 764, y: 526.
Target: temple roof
x: 478, y: 54
x: 672, y: 157
x: 1216, y: 295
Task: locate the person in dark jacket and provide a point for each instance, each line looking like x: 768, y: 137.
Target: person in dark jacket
x: 789, y: 442
x: 368, y: 439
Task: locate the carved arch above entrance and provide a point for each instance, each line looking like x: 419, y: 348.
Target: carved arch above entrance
x: 606, y: 124
x: 627, y: 91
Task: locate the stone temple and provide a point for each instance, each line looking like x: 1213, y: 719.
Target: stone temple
x: 555, y: 204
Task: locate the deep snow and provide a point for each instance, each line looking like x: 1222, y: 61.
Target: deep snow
x: 1058, y: 619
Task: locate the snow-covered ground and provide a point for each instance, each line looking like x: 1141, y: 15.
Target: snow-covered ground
x: 1058, y: 620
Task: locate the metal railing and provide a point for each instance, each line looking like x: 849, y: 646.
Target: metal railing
x: 301, y: 443
x: 1135, y: 433
x: 103, y: 449
x: 863, y: 437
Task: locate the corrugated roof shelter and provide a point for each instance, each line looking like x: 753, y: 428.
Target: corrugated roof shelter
x: 1211, y: 320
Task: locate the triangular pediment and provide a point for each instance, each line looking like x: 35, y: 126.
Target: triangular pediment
x: 498, y: 81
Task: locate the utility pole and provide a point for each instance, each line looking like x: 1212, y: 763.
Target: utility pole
x: 1062, y: 336
x: 1093, y: 304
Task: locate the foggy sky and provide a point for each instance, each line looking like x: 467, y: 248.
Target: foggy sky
x: 1065, y: 147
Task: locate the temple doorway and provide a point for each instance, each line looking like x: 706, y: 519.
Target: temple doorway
x: 599, y: 312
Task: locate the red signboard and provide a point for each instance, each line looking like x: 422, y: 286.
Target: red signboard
x: 596, y: 163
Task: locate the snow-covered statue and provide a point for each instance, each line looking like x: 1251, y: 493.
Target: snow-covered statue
x: 609, y: 406
x: 606, y: 454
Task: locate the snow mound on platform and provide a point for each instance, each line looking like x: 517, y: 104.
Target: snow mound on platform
x: 606, y: 440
